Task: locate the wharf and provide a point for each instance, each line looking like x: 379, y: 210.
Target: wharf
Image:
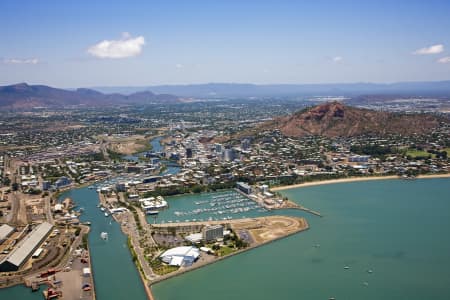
x: 288, y: 204
x: 263, y: 230
x: 68, y: 278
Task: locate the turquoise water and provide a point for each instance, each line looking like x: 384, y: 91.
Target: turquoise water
x: 20, y: 292
x: 398, y: 229
x: 115, y: 274
x: 208, y: 206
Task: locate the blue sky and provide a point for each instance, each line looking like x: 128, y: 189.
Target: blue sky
x: 101, y: 43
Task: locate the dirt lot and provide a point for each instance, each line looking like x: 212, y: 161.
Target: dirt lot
x: 276, y: 227
x: 127, y: 145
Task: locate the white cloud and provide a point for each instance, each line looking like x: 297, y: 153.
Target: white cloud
x: 434, y: 49
x: 337, y: 59
x: 444, y: 60
x: 179, y: 66
x: 21, y: 61
x: 127, y: 46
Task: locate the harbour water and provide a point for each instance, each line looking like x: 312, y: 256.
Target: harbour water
x: 377, y: 240
x: 115, y: 274
x: 208, y: 206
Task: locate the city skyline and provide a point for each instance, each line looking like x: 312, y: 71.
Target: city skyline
x: 86, y: 44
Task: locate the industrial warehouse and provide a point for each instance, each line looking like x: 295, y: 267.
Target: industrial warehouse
x: 25, y: 248
x: 5, y: 232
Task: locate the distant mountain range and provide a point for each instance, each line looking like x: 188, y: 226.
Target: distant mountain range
x: 428, y: 88
x: 24, y: 96
x: 334, y: 119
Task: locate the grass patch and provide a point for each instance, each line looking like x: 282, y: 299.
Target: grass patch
x: 84, y: 241
x: 161, y: 268
x: 419, y: 153
x: 223, y: 251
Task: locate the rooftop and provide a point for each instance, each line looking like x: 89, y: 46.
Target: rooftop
x: 28, y: 244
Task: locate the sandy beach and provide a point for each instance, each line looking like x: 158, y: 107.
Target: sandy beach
x: 353, y: 179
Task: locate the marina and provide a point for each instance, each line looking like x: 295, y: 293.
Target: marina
x: 223, y: 205
x: 312, y: 263
x: 323, y: 250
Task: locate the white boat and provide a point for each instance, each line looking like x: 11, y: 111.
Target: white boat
x: 152, y: 204
x: 106, y: 214
x: 152, y: 212
x: 104, y: 235
x: 118, y: 210
x: 102, y: 208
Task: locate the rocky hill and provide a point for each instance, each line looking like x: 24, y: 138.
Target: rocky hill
x: 24, y: 96
x: 336, y: 119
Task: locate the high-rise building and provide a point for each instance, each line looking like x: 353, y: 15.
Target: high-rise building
x: 228, y: 154
x: 212, y: 233
x: 188, y: 152
x: 245, y: 144
x: 46, y: 185
x: 243, y: 187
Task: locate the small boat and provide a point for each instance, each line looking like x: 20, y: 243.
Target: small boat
x: 346, y: 267
x: 104, y: 235
x: 87, y: 223
x: 369, y: 271
x: 152, y: 212
x: 102, y: 208
x: 106, y: 214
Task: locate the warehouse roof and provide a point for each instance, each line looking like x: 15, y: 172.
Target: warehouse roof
x: 5, y: 231
x: 28, y: 244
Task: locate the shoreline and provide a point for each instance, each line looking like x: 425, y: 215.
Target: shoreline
x: 353, y: 179
x: 149, y: 283
x: 218, y: 259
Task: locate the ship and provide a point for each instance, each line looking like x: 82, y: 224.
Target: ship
x: 152, y: 205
